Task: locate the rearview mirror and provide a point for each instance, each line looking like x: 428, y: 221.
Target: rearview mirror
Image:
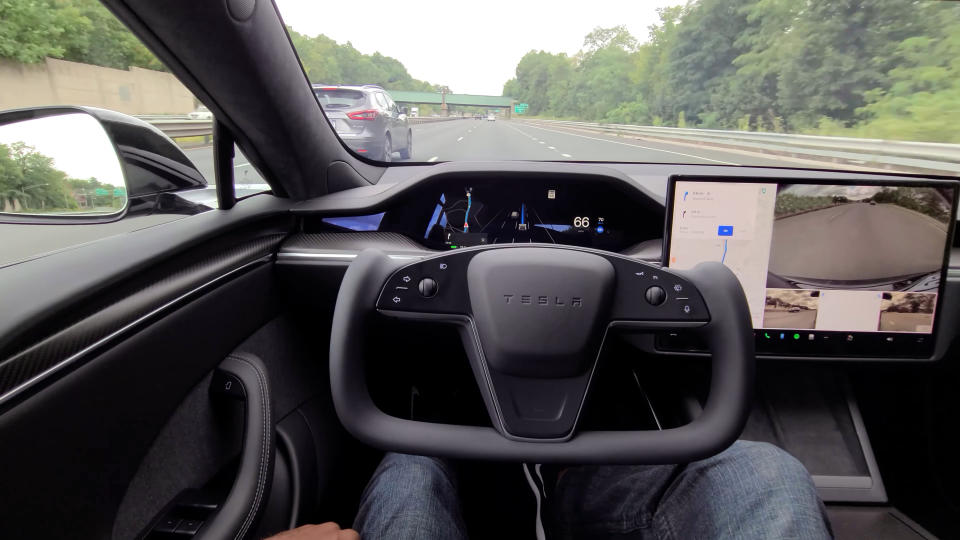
x: 59, y: 162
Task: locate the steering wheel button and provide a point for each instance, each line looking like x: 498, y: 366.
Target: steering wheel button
x: 428, y: 287
x: 656, y: 295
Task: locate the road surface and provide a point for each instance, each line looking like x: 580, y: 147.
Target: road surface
x: 504, y: 140
x: 784, y: 319
x: 481, y: 140
x: 857, y: 241
x: 906, y: 322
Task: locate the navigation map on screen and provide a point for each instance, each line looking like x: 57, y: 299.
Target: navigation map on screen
x: 864, y: 258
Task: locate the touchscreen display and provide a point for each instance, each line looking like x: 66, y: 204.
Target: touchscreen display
x: 820, y: 257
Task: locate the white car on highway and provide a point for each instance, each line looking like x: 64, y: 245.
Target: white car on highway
x: 202, y: 113
x: 491, y: 117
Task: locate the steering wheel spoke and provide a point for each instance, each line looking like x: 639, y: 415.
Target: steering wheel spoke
x: 434, y: 286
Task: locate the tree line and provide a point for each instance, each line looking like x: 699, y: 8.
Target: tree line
x: 84, y: 31
x: 76, y: 30
x: 872, y: 68
x: 30, y: 182
x: 328, y: 62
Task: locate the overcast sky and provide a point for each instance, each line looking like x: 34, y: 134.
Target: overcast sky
x: 473, y: 47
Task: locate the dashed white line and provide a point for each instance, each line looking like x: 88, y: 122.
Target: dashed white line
x: 566, y: 155
x: 633, y: 145
x: 460, y: 139
x: 541, y: 142
x: 431, y: 160
x: 551, y: 147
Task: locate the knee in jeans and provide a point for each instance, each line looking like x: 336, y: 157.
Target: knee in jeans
x: 771, y: 465
x: 422, y: 469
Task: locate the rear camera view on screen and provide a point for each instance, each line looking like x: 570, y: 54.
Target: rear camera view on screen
x: 907, y: 312
x: 826, y: 257
x: 786, y: 308
x: 858, y: 237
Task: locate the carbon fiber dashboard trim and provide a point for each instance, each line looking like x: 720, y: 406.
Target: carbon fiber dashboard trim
x: 351, y: 241
x: 130, y: 309
x: 342, y: 247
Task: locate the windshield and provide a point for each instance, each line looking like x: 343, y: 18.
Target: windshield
x: 857, y: 85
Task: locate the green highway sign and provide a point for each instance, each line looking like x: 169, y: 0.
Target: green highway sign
x: 520, y: 108
x: 116, y: 192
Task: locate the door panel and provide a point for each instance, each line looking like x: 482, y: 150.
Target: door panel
x: 71, y: 450
x: 93, y: 323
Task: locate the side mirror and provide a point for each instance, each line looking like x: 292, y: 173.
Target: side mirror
x: 403, y: 110
x: 84, y: 165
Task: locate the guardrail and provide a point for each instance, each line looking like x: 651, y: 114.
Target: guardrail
x: 432, y: 119
x: 175, y: 126
x: 905, y: 156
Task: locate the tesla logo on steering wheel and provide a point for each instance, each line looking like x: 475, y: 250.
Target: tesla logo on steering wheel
x: 542, y: 300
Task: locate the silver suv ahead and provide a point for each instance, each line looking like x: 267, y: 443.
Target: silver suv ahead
x: 367, y: 120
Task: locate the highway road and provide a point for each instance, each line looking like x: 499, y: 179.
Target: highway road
x: 504, y: 140
x: 481, y: 140
x: 905, y: 322
x: 784, y: 319
x: 857, y: 241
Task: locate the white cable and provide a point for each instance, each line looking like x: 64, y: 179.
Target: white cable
x: 536, y: 492
x: 649, y: 403
x: 536, y: 469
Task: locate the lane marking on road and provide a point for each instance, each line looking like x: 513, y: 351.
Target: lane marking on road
x: 566, y: 155
x: 431, y: 160
x: 460, y: 139
x: 541, y: 142
x: 552, y: 148
x: 634, y: 145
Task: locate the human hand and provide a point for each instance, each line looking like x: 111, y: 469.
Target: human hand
x: 323, y: 531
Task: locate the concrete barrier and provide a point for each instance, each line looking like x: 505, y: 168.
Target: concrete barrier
x: 59, y: 82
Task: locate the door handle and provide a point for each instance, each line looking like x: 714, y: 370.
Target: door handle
x: 243, y: 376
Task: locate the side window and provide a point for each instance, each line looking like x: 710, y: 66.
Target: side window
x: 382, y: 101
x: 85, y: 190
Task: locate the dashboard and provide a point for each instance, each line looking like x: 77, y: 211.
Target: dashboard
x: 465, y: 212
x: 859, y: 273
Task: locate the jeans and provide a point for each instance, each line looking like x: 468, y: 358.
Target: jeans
x: 750, y: 490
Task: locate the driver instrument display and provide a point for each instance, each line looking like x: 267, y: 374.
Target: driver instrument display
x: 559, y: 214
x: 820, y: 261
